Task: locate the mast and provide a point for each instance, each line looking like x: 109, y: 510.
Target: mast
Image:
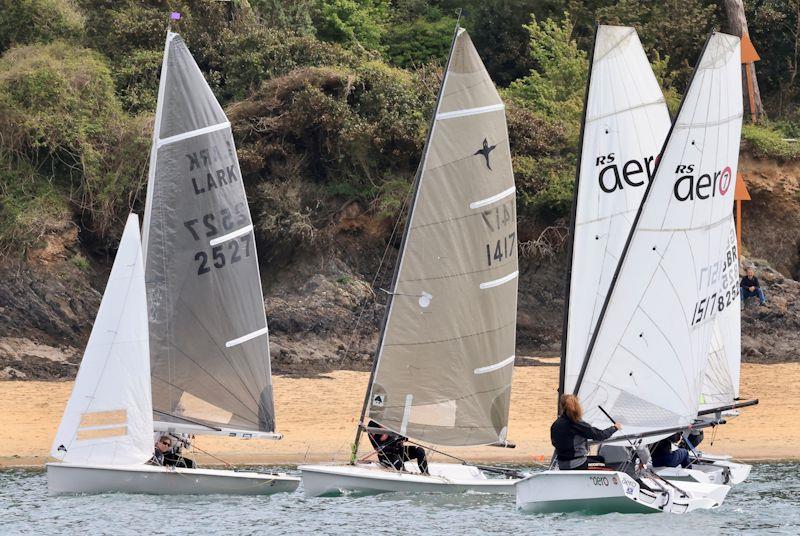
x: 574, y: 213
x: 634, y: 226
x: 406, y: 231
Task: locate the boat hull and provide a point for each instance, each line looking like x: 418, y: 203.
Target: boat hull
x: 370, y: 479
x: 66, y: 478
x: 603, y: 492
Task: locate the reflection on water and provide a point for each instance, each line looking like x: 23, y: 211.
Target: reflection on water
x: 768, y: 503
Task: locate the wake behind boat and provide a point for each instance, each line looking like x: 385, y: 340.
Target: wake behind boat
x: 442, y: 371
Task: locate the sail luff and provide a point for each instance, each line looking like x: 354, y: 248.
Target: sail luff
x: 571, y: 240
x: 407, y: 228
x: 151, y: 169
x: 636, y: 219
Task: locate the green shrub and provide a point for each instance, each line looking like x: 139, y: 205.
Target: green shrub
x: 23, y: 22
x: 765, y: 141
x: 59, y: 113
x: 30, y: 207
x: 556, y: 85
x: 359, y: 23
x: 415, y: 42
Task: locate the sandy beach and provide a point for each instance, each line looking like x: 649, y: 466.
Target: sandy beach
x: 317, y: 417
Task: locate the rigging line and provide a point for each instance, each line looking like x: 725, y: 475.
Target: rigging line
x: 607, y: 217
x: 233, y: 413
x: 220, y: 348
x: 460, y: 337
x: 213, y: 380
x: 452, y: 276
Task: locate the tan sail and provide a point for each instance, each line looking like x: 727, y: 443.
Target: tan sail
x: 444, y: 368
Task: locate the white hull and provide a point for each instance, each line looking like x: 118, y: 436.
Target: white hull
x: 327, y: 480
x: 63, y: 478
x: 602, y: 492
x: 738, y: 471
x: 708, y: 470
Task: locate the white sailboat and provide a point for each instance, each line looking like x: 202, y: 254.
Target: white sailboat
x: 205, y: 334
x: 648, y: 344
x: 442, y: 372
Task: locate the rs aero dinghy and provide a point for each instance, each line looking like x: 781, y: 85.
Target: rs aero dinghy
x: 442, y: 371
x: 624, y: 131
x: 646, y: 341
x: 181, y: 332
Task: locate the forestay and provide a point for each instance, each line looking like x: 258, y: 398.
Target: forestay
x: 646, y: 362
x: 444, y: 367
x: 108, y: 419
x: 625, y: 124
x: 721, y: 378
x: 208, y: 330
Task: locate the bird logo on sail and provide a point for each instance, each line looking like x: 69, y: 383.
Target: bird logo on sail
x: 485, y: 152
x: 377, y: 401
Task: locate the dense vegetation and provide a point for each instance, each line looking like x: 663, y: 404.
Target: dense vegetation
x: 330, y: 99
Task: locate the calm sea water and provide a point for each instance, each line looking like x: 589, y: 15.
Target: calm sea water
x: 768, y: 503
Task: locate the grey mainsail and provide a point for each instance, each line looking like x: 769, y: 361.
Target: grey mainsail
x: 208, y: 331
x: 443, y: 371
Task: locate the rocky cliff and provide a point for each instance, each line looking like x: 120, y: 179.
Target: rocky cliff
x: 325, y: 306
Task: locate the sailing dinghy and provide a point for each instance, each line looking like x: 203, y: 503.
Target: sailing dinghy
x: 206, y: 332
x: 645, y: 358
x: 442, y: 371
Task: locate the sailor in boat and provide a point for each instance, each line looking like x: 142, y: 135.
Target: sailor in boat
x: 163, y: 445
x: 168, y: 452
x: 393, y: 452
x: 570, y: 435
x: 665, y: 456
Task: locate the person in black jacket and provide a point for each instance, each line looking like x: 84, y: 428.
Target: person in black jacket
x: 570, y: 435
x: 749, y: 287
x: 665, y: 456
x: 393, y: 453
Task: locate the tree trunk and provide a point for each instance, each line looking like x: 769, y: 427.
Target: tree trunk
x: 737, y: 25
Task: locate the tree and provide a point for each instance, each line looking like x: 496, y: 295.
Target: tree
x: 737, y: 25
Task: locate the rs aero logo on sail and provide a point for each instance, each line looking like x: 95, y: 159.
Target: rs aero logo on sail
x: 615, y: 174
x: 704, y: 186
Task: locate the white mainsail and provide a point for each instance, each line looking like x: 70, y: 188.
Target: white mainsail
x: 108, y: 419
x: 721, y: 378
x: 625, y: 124
x: 208, y: 329
x: 647, y: 357
x: 443, y: 370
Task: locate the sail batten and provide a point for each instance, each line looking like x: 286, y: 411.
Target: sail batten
x: 442, y: 371
x: 208, y: 344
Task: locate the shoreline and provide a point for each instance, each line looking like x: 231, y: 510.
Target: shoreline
x: 318, y: 417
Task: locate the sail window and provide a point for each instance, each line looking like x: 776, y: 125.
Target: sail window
x: 192, y: 133
x: 497, y: 366
x: 493, y: 199
x: 470, y: 111
x: 406, y: 413
x: 439, y: 414
x: 498, y: 282
x: 230, y: 236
